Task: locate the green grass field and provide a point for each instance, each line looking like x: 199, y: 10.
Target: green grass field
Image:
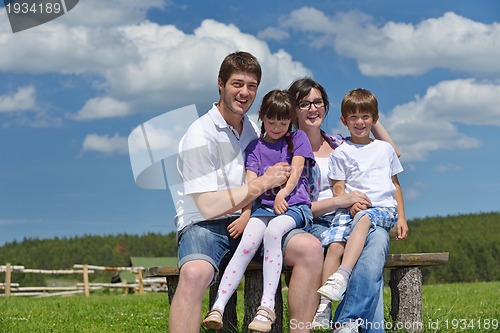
x: 464, y: 307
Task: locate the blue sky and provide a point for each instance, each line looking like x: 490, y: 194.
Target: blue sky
x: 72, y: 91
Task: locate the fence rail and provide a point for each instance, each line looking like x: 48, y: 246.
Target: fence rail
x: 140, y: 284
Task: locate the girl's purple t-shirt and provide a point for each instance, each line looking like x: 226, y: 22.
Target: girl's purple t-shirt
x: 261, y: 155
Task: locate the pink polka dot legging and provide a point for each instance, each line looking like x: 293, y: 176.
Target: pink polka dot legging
x: 271, y: 230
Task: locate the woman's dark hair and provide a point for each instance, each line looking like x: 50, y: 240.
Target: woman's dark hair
x: 302, y: 87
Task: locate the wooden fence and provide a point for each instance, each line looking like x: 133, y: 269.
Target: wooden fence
x: 140, y: 284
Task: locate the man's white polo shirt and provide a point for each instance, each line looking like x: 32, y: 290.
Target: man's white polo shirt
x: 211, y: 158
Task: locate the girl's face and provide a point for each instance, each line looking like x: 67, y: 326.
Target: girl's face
x: 308, y: 114
x: 275, y: 129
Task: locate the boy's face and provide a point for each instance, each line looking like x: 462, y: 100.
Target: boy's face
x: 238, y: 94
x: 359, y: 124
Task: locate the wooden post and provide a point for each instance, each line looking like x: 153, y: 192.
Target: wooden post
x: 406, y: 298
x: 86, y: 287
x: 139, y: 278
x: 253, y: 294
x: 172, y: 282
x: 230, y: 318
x: 8, y: 272
x: 125, y: 289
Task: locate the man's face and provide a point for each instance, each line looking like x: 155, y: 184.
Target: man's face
x: 238, y: 94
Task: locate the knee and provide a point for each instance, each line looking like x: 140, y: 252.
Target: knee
x: 196, y: 274
x: 377, y: 242
x: 336, y: 248
x: 306, y: 250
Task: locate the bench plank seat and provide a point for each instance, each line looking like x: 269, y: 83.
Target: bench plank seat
x: 405, y: 284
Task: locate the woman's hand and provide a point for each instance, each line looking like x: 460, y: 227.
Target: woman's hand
x: 356, y: 208
x: 347, y: 200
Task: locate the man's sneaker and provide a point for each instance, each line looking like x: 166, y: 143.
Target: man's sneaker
x: 334, y: 288
x: 322, y: 318
x: 347, y: 327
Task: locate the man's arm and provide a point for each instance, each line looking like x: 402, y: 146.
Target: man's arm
x: 219, y: 203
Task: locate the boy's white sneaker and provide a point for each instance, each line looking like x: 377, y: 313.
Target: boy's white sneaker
x: 334, y: 288
x: 347, y: 327
x: 323, y: 318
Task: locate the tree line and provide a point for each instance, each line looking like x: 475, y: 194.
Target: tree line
x: 472, y: 241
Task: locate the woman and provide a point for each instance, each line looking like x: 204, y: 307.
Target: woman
x: 363, y: 302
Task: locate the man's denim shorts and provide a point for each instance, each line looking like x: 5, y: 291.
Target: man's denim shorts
x: 210, y: 241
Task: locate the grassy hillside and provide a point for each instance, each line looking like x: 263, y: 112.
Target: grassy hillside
x: 447, y: 308
x: 472, y: 240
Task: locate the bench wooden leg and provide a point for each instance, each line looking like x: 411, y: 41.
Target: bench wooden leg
x: 253, y: 294
x: 172, y: 282
x: 406, y: 298
x: 230, y: 317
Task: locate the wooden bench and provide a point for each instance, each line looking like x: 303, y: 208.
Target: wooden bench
x: 405, y: 284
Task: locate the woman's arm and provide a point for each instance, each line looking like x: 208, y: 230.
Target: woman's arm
x: 345, y: 200
x: 379, y: 132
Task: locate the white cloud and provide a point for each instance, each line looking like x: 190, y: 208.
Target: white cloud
x: 110, y: 12
x: 105, y: 144
x: 448, y: 167
x: 102, y: 107
x: 273, y: 33
x: 149, y: 66
x: 23, y: 99
x: 429, y: 123
x: 451, y: 42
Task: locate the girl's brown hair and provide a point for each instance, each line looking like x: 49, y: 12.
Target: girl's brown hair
x: 279, y: 104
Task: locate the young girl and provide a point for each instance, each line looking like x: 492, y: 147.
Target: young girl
x: 276, y: 211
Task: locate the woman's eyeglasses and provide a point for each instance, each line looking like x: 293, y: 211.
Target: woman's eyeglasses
x: 306, y: 105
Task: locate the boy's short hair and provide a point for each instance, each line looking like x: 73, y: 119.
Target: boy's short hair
x: 359, y: 100
x: 239, y: 61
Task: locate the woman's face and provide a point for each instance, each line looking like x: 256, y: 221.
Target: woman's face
x: 311, y: 110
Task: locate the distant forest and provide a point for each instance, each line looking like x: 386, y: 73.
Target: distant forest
x: 473, y: 242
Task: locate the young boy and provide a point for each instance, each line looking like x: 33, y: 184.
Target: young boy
x: 369, y: 166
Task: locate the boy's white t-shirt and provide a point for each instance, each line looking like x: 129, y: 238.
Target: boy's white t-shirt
x: 368, y: 169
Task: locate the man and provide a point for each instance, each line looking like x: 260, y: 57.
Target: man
x: 211, y: 161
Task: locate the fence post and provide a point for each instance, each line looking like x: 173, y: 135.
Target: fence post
x: 7, y: 279
x: 86, y: 280
x: 141, y: 286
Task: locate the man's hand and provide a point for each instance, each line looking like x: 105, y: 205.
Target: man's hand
x: 277, y: 175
